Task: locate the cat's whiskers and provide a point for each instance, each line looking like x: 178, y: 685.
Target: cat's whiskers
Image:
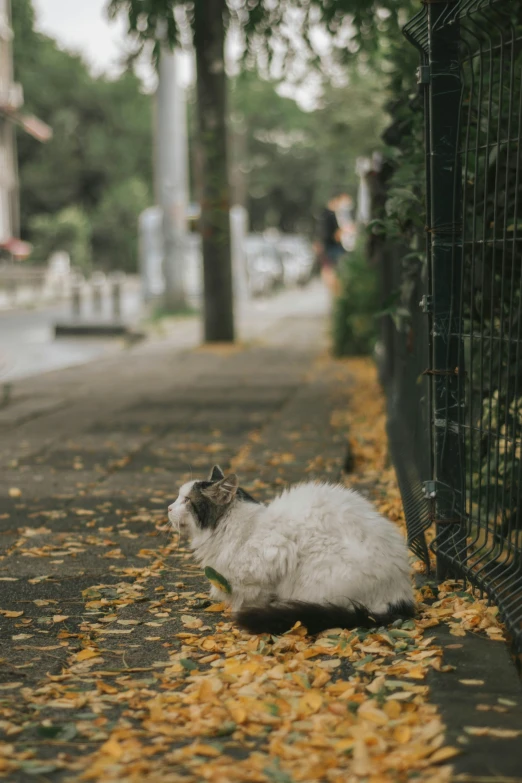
x: 163, y: 531
x: 178, y: 531
x: 173, y: 528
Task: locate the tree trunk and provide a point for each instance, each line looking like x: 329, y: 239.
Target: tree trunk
x: 209, y: 43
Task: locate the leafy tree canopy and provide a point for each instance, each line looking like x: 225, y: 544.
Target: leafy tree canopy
x: 99, y: 159
x: 292, y: 159
x: 271, y: 27
x: 100, y: 145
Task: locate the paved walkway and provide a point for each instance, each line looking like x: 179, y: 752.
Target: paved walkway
x: 102, y: 613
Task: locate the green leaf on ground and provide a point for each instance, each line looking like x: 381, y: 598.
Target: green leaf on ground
x: 217, y: 580
x: 227, y: 728
x: 188, y: 664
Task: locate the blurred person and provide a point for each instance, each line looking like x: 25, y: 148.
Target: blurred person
x: 332, y: 248
x: 343, y: 209
x: 344, y: 213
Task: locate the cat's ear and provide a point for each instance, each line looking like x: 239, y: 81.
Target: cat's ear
x: 216, y: 474
x: 222, y: 492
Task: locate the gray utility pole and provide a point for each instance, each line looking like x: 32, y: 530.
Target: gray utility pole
x: 171, y: 176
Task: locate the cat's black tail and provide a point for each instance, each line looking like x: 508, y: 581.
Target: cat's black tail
x: 277, y: 618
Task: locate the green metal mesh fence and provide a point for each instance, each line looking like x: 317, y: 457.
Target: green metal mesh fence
x: 470, y: 354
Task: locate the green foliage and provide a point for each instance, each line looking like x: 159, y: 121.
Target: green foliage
x: 147, y: 19
x: 100, y: 145
x: 288, y: 159
x: 115, y: 227
x: 354, y: 330
x: 68, y: 230
x: 286, y: 162
x: 397, y: 232
x: 217, y: 580
x: 270, y: 27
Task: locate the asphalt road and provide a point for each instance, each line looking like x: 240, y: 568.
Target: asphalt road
x: 28, y: 345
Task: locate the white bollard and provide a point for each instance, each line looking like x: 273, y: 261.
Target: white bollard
x: 97, y: 285
x: 238, y: 232
x: 117, y: 281
x: 76, y: 296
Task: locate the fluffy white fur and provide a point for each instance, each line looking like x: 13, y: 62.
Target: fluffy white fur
x: 315, y: 543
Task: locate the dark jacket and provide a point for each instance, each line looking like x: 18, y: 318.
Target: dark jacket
x: 329, y: 228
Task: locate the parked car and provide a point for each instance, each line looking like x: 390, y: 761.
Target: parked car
x: 271, y: 260
x: 297, y: 256
x: 265, y: 269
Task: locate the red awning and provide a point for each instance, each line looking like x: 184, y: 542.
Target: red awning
x: 35, y: 127
x: 32, y: 125
x: 17, y: 248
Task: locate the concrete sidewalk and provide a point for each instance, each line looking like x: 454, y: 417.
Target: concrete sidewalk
x: 100, y: 611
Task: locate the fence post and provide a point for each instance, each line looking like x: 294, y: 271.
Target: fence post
x: 117, y: 281
x: 97, y: 283
x: 76, y: 297
x: 447, y: 491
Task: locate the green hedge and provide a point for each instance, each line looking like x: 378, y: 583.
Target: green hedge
x: 354, y: 322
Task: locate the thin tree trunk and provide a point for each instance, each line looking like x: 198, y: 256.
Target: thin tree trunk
x: 209, y: 43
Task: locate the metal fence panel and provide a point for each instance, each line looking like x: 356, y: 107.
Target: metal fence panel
x: 472, y: 69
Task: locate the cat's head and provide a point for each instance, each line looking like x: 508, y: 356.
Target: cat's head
x: 201, y: 505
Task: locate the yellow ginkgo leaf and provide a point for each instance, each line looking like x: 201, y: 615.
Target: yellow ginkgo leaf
x: 84, y: 655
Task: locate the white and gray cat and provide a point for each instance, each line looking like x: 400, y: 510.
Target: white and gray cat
x: 318, y: 553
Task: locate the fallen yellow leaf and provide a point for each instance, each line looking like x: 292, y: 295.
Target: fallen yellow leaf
x: 104, y: 687
x: 343, y: 745
x: 377, y: 684
x: 443, y: 754
x: 485, y: 731
x: 367, y: 711
x: 112, y: 748
x: 191, y: 622
x: 237, y: 712
x: 310, y: 701
x: 205, y: 750
x: 472, y: 682
x: 210, y: 687
x: 402, y: 734
x: 84, y: 655
x: 321, y: 678
x: 361, y: 761
x: 392, y: 709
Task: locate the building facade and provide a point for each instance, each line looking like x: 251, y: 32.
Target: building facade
x: 11, y: 99
x: 11, y: 103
